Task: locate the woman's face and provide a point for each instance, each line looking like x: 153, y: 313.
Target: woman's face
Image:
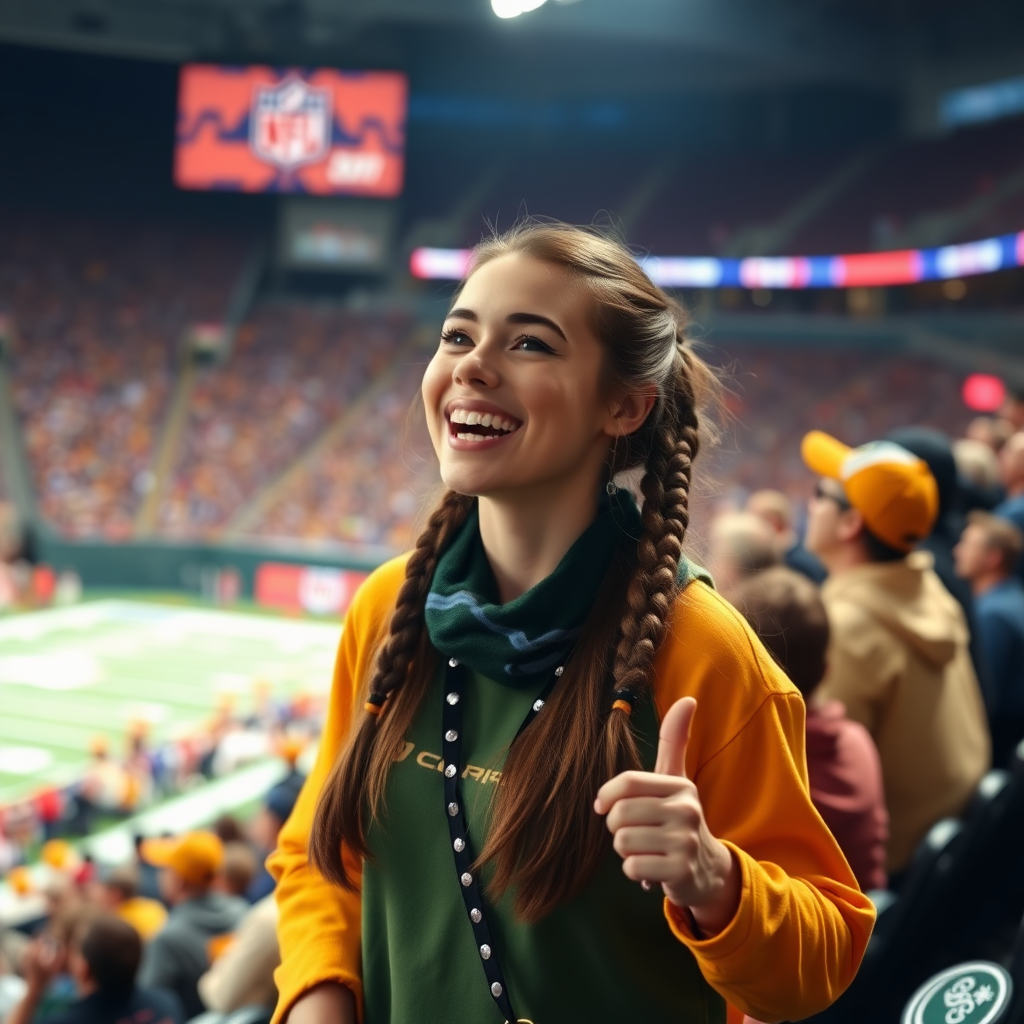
x: 513, y: 395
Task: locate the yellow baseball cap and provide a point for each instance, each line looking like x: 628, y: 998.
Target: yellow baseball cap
x: 890, y: 487
x: 195, y: 856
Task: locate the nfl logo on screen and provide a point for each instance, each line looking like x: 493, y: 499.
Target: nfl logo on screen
x: 291, y: 123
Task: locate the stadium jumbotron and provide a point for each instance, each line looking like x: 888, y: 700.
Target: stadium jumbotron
x: 321, y: 430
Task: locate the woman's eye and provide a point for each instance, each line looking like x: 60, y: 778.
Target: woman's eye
x: 456, y: 338
x: 528, y: 343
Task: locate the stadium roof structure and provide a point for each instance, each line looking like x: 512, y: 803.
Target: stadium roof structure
x: 686, y: 43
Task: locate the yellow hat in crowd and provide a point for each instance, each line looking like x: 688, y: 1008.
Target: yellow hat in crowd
x: 890, y: 487
x: 195, y: 857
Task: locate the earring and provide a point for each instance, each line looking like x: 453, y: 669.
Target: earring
x: 610, y: 488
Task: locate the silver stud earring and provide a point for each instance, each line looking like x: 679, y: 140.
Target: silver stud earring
x: 610, y: 488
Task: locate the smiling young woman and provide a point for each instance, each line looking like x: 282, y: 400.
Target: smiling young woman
x: 511, y: 817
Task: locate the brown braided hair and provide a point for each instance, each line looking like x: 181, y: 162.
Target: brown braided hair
x: 545, y: 841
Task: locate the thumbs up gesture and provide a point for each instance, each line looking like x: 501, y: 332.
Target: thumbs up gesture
x: 661, y: 835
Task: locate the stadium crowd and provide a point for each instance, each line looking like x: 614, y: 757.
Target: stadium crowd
x: 98, y: 311
x: 294, y: 370
x: 368, y: 486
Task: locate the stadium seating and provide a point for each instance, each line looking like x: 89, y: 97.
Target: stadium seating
x: 294, y: 370
x: 856, y: 395
x: 369, y: 485
x: 100, y: 307
x: 946, y: 906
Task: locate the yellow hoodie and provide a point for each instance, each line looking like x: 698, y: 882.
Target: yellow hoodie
x: 802, y: 925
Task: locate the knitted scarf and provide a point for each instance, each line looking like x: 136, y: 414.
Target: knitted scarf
x: 523, y: 640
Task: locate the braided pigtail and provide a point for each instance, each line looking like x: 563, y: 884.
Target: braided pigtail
x: 401, y: 677
x: 653, y: 587
x: 665, y: 516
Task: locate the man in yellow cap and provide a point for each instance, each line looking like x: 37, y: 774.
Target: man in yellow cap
x: 177, y: 957
x: 898, y: 657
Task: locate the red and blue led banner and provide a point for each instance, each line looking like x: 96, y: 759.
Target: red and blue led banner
x: 856, y: 270
x: 318, y: 132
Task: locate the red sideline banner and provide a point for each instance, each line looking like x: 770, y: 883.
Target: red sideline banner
x: 306, y: 588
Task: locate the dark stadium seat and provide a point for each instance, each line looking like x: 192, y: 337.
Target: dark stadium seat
x: 901, y: 931
x: 961, y: 991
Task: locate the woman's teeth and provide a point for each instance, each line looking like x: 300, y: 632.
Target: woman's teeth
x: 492, y: 422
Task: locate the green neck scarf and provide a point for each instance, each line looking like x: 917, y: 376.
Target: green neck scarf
x: 521, y: 642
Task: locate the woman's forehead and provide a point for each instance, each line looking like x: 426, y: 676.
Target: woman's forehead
x: 506, y: 282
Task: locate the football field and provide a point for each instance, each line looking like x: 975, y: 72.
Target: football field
x: 69, y: 675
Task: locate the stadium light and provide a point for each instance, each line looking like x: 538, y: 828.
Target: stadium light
x: 513, y: 8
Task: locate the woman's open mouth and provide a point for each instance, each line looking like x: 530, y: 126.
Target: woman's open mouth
x: 469, y: 427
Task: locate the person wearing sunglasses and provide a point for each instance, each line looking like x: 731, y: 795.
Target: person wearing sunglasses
x: 898, y: 656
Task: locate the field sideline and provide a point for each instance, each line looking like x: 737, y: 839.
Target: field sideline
x: 69, y: 675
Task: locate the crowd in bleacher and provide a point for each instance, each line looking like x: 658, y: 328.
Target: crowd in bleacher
x: 369, y: 485
x: 99, y: 310
x: 293, y: 371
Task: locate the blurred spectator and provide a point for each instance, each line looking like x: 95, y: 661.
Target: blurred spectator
x: 740, y: 545
x: 276, y: 810
x: 990, y: 431
x: 784, y: 609
x: 229, y: 829
x: 177, y: 957
x: 777, y: 511
x: 237, y: 870
x: 898, y: 657
x: 1013, y: 407
x: 986, y: 556
x: 103, y: 958
x: 118, y: 893
x: 977, y: 466
x: 935, y: 449
x: 1011, y: 464
x: 243, y: 975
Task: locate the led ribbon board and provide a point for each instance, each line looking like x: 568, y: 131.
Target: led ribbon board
x: 318, y: 132
x: 855, y: 270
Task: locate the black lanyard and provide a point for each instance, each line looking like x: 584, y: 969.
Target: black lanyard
x: 451, y: 723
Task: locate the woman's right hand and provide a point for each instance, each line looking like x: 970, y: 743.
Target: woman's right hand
x: 329, y: 1003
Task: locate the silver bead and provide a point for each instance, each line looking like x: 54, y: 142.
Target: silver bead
x: 451, y: 735
x: 485, y: 951
x: 466, y: 879
x: 452, y: 698
x: 538, y: 704
x: 453, y: 809
x: 475, y: 916
x: 460, y: 845
x: 453, y: 663
x: 559, y: 671
x: 449, y: 772
x: 496, y: 989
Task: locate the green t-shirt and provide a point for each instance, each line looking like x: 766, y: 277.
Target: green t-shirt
x: 608, y: 955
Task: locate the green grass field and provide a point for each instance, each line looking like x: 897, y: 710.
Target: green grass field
x: 68, y: 675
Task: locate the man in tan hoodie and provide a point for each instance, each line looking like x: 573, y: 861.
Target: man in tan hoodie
x: 898, y: 657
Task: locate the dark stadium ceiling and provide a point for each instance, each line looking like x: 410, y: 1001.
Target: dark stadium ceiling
x: 663, y: 43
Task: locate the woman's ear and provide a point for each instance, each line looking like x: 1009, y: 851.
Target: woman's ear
x: 627, y: 413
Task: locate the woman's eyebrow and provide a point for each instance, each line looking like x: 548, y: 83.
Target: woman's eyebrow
x: 460, y: 313
x: 535, y: 318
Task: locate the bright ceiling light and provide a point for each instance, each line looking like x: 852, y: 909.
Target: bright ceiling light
x: 513, y: 8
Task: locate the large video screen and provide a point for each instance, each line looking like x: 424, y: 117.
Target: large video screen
x: 318, y: 132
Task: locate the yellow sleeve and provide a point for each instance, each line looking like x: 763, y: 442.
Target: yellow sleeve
x: 320, y: 926
x: 802, y: 924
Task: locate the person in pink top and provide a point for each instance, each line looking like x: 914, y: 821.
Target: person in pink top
x: 843, y: 766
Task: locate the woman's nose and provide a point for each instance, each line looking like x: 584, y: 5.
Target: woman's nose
x: 477, y: 367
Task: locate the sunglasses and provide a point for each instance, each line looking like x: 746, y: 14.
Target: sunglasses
x: 821, y: 490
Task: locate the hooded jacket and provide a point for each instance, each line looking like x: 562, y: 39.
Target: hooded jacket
x: 177, y: 957
x: 898, y: 659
